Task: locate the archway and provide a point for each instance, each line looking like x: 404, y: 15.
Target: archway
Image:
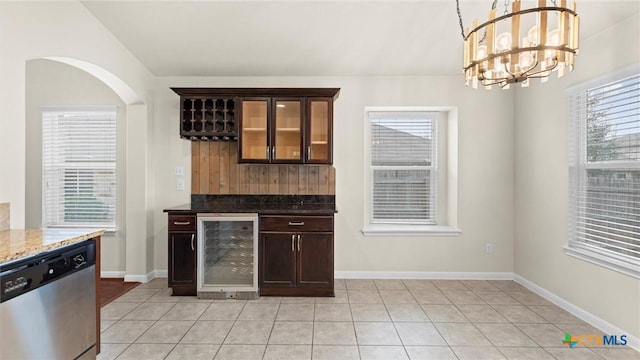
x: 126, y: 250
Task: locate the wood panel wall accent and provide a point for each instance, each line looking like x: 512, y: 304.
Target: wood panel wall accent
x: 215, y: 170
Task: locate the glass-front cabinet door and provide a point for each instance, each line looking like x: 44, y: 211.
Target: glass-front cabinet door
x: 287, y: 131
x: 254, y: 145
x: 319, y: 131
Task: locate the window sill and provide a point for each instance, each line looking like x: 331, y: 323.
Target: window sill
x: 409, y: 230
x: 596, y: 259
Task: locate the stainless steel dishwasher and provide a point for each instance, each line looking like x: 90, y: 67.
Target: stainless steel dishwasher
x: 48, y: 305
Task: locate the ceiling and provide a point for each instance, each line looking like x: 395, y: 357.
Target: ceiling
x: 309, y: 38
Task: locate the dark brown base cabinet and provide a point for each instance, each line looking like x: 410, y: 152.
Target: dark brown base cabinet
x: 182, y: 255
x: 296, y: 255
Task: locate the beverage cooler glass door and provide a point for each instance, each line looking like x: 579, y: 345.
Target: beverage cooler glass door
x: 227, y: 252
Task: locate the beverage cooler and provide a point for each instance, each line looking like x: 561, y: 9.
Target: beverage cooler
x: 227, y: 256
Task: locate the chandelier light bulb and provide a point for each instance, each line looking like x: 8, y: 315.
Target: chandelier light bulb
x: 525, y: 60
x: 503, y: 42
x: 482, y: 52
x: 554, y: 37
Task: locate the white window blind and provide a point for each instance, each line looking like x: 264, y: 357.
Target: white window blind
x: 604, y: 174
x: 79, y: 167
x: 403, y: 167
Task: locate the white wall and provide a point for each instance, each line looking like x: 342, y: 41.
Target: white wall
x: 541, y: 182
x: 30, y: 30
x: 485, y: 170
x: 51, y: 83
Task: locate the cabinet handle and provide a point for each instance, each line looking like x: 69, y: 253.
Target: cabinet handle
x: 273, y: 153
x: 182, y: 223
x: 298, y: 242
x: 309, y: 152
x: 267, y: 153
x: 301, y: 223
x: 292, y: 243
x: 193, y: 236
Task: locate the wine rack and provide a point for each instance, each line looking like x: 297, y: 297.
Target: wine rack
x: 208, y: 118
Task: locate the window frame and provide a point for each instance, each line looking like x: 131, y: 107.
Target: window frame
x: 433, y: 176
x: 578, y: 167
x: 110, y: 165
x: 446, y: 196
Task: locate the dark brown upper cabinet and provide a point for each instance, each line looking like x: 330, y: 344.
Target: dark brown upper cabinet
x: 286, y: 130
x: 319, y: 131
x: 207, y: 116
x: 272, y: 130
x: 272, y: 125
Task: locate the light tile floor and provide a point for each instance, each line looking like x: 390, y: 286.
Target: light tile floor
x: 367, y: 319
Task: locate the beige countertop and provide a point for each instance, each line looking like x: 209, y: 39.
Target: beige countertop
x: 17, y: 244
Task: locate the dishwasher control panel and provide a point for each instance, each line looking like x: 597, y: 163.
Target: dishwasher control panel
x: 15, y: 285
x: 28, y: 274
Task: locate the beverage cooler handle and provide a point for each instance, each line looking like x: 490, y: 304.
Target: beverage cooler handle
x: 192, y: 239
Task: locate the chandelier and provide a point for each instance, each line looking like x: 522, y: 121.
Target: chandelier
x: 520, y: 45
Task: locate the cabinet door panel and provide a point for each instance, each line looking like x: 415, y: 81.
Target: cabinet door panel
x: 277, y: 260
x: 287, y: 131
x: 254, y: 128
x: 319, y: 135
x: 315, y: 260
x: 182, y: 258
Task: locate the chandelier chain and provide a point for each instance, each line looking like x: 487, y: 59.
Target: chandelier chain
x: 493, y: 6
x: 506, y: 7
x: 460, y: 19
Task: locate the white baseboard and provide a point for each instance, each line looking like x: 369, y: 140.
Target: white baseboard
x: 111, y: 274
x: 605, y: 326
x: 135, y: 278
x: 424, y: 275
x: 139, y: 278
x: 160, y: 274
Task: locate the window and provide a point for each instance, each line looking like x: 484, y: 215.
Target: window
x: 79, y: 167
x: 403, y: 168
x: 604, y: 173
x: 411, y: 171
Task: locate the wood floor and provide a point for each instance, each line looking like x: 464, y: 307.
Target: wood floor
x: 112, y: 288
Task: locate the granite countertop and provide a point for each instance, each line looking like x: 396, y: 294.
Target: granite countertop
x: 189, y: 209
x: 18, y: 244
x: 261, y: 204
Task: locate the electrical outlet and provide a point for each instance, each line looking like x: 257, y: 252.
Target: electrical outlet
x: 178, y: 171
x: 489, y: 248
x: 180, y: 184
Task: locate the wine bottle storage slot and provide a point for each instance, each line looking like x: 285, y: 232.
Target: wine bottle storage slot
x: 208, y: 119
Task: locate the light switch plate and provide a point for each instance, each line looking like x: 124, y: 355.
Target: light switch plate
x: 178, y: 171
x: 180, y: 184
